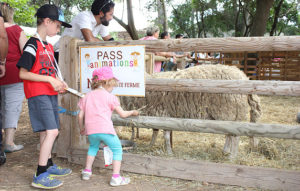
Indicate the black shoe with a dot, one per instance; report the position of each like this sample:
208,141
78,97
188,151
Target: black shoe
2,158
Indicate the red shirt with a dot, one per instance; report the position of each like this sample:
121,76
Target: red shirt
36,60
13,56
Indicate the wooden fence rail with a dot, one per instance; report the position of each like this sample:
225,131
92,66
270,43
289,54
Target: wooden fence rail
230,44
246,176
289,88
210,126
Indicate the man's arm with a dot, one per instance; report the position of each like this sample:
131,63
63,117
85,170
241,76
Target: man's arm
3,40
107,38
3,46
89,37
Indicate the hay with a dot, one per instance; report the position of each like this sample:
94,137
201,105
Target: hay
273,153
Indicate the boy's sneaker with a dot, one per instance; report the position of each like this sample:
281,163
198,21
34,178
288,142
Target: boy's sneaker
45,181
58,171
119,181
85,175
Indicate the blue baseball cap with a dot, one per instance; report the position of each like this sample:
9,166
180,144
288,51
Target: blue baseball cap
52,12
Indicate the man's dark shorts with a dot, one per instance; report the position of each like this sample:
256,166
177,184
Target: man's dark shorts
43,112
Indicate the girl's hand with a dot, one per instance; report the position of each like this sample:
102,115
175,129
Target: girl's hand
135,112
82,131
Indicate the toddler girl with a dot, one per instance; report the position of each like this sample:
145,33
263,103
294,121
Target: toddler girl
95,110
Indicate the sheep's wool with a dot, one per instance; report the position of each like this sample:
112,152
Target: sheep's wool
214,106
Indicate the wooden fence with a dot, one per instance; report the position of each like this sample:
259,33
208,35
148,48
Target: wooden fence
267,65
73,146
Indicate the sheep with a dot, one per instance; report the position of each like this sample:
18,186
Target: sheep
230,107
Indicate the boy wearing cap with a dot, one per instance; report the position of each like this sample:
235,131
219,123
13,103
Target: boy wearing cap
38,70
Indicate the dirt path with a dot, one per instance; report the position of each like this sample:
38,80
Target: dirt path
17,174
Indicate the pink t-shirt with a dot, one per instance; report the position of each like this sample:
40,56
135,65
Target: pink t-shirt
157,66
98,106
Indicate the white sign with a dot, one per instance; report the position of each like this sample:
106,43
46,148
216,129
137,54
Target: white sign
127,63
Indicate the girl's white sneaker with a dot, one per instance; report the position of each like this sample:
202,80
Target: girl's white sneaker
85,175
119,181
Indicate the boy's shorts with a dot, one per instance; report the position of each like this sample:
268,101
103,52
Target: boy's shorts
43,112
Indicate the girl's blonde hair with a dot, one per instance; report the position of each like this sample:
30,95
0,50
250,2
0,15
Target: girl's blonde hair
7,12
103,83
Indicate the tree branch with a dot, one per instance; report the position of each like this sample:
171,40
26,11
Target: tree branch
121,23
276,16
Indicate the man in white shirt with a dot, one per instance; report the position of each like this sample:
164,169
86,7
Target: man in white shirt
88,25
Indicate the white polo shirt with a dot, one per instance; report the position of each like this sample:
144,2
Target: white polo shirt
84,20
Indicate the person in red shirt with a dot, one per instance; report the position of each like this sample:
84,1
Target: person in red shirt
3,53
11,86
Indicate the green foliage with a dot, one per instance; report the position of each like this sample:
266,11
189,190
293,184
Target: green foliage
68,6
288,19
114,35
181,20
204,18
24,14
199,18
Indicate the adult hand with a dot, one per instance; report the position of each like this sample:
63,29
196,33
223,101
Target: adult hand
174,59
2,71
82,131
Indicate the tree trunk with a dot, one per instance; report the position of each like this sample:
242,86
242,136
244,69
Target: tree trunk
198,23
133,33
237,9
261,17
162,15
276,15
130,28
202,23
165,19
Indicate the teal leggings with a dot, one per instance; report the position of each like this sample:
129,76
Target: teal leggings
112,141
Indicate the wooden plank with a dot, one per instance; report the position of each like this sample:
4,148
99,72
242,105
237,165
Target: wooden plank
290,88
64,138
68,61
210,126
149,63
228,44
265,178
